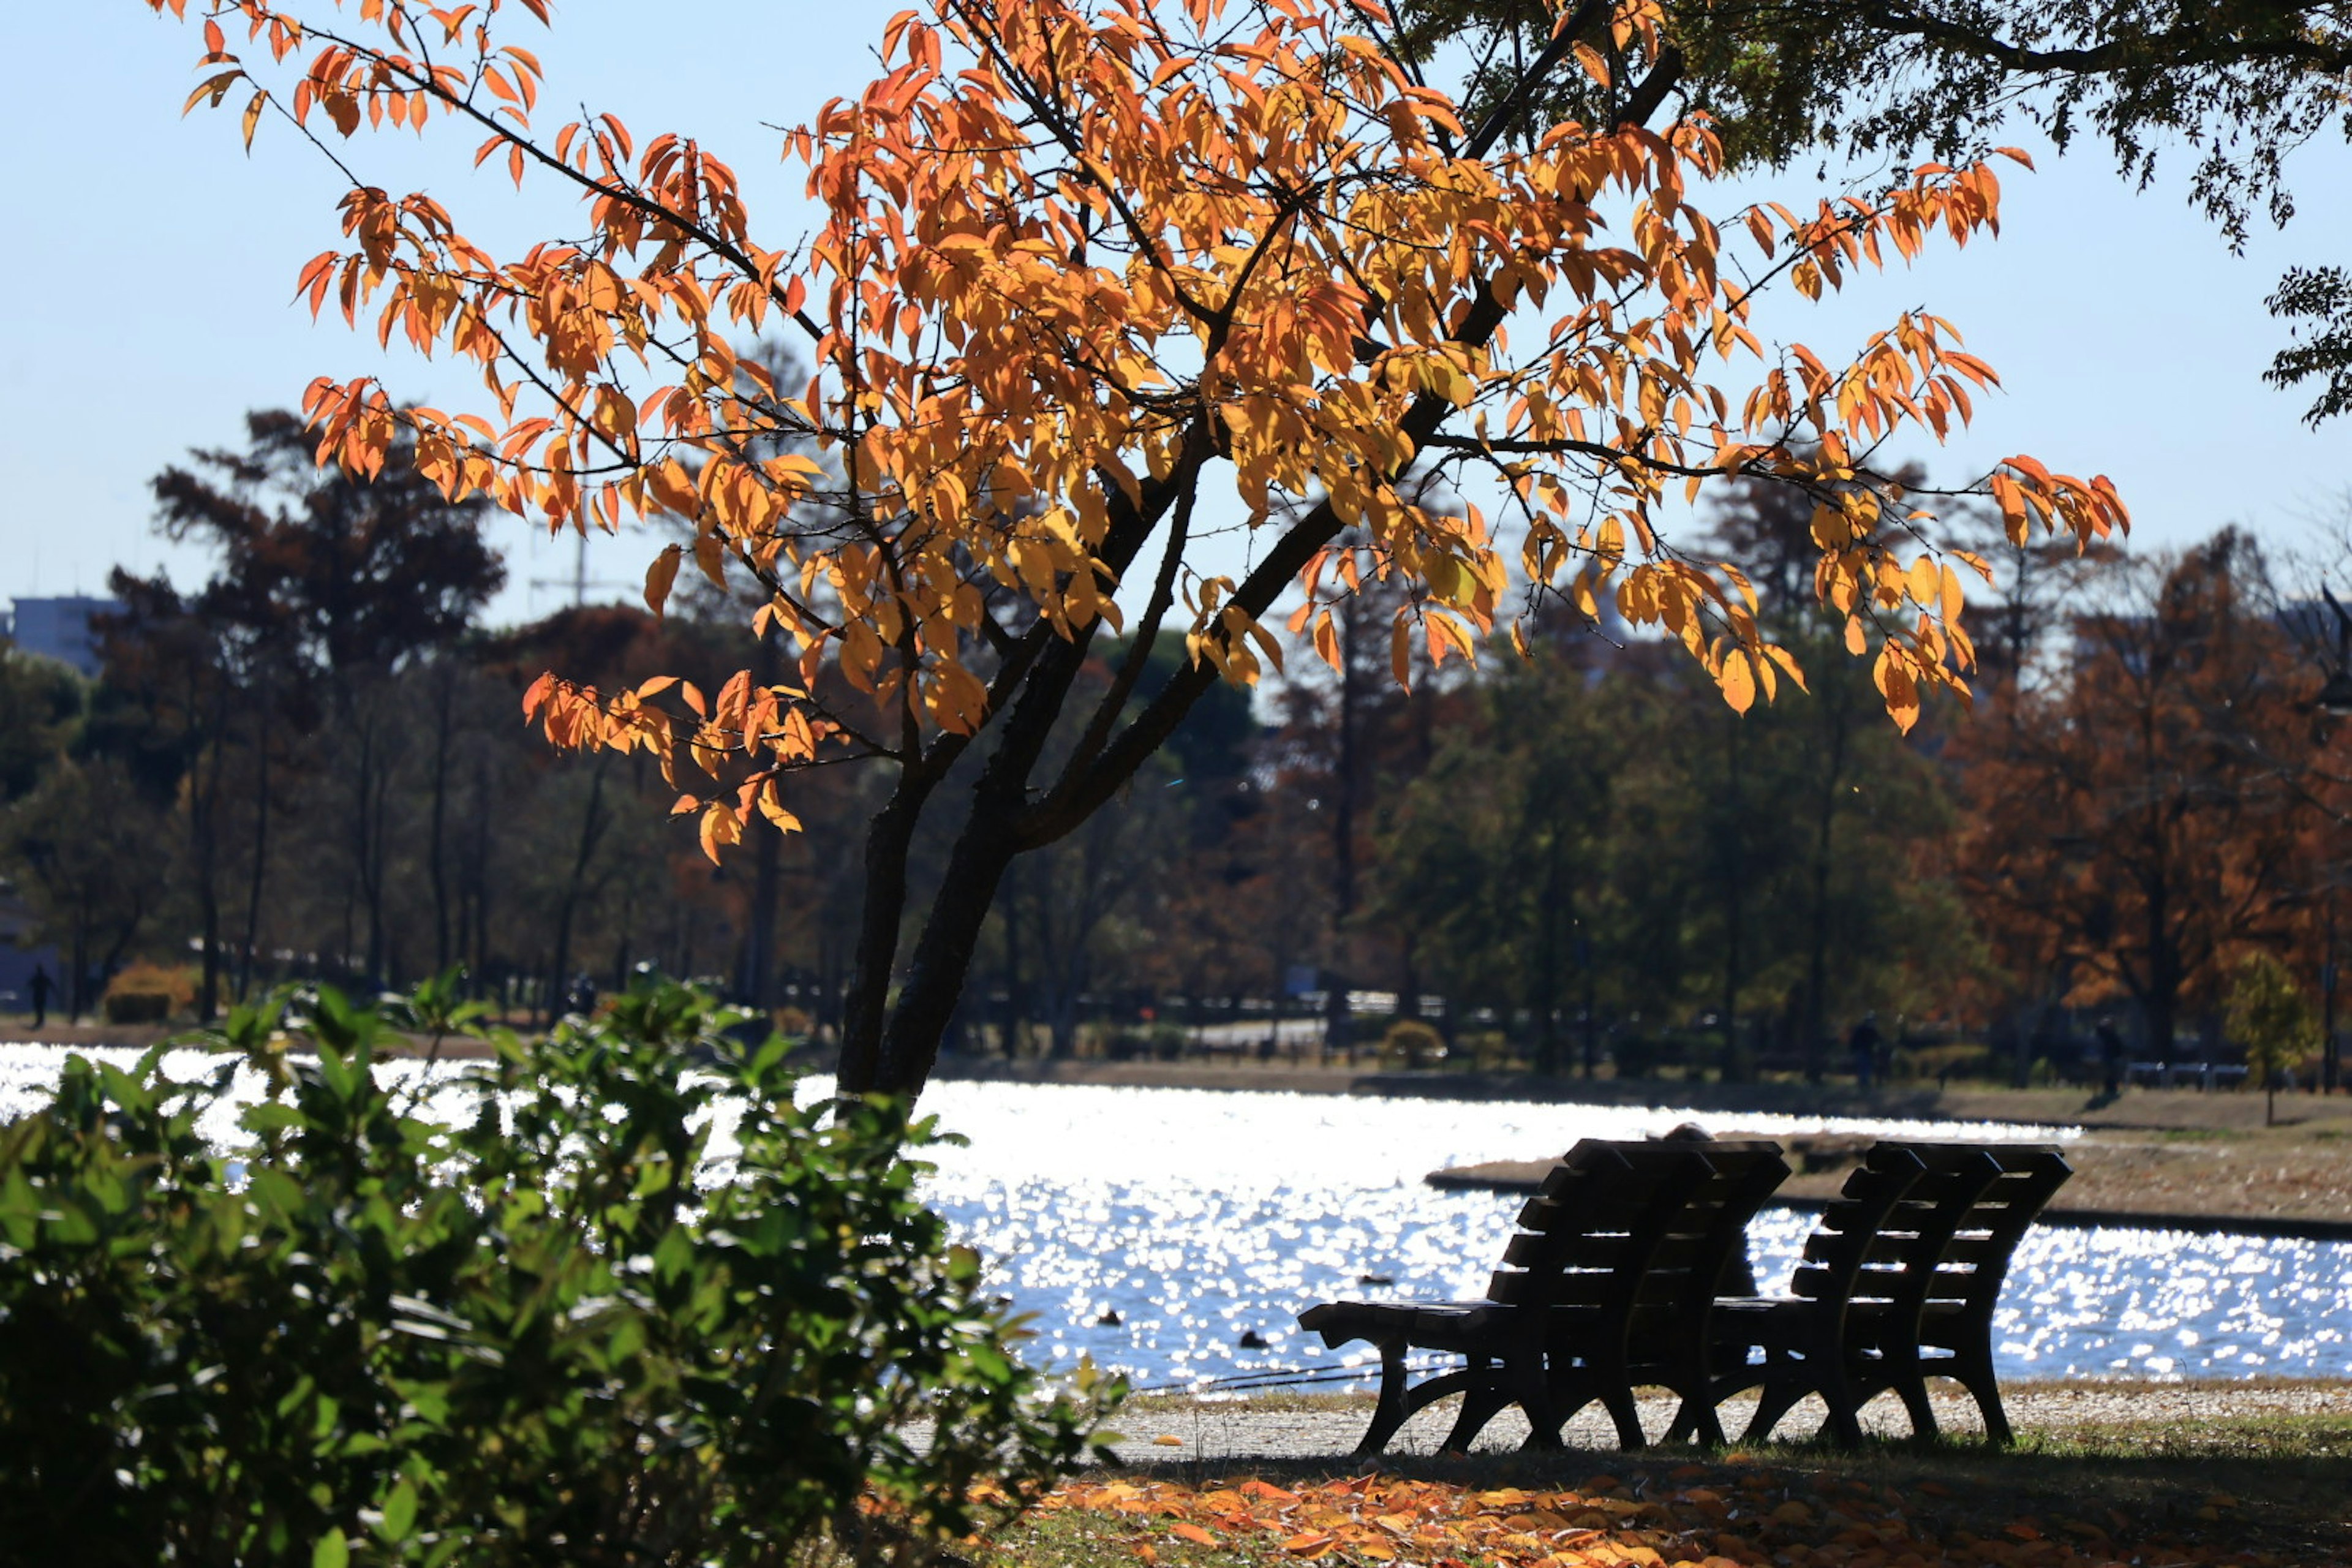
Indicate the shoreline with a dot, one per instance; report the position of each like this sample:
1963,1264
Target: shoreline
1482,1178
2135,1110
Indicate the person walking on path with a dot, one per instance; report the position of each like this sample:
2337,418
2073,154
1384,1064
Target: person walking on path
40,985
2111,1059
1862,1045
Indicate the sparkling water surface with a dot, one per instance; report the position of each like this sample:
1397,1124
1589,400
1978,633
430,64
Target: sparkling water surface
1198,1218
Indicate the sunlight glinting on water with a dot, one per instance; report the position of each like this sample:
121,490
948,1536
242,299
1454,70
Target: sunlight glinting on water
1204,1220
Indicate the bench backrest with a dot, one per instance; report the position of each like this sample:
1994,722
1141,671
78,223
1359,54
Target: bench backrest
1974,1256
1629,1226
1921,1223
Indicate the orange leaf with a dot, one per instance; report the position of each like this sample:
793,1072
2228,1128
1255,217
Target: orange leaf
660,576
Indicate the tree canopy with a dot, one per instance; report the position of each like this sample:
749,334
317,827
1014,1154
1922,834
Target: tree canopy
1089,277
2235,87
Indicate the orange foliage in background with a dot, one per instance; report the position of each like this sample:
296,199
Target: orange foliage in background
1093,278
1075,253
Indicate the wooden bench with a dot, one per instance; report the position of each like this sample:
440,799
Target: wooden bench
1897,1284
1608,1286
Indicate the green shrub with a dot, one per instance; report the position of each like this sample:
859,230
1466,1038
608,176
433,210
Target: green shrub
1412,1045
515,1331
2272,1020
145,992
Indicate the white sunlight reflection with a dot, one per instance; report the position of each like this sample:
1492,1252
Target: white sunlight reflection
1174,1234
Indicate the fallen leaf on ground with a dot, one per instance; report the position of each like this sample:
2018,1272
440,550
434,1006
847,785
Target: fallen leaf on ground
1760,1520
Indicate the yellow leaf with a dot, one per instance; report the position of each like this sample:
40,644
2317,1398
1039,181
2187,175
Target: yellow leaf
1924,583
1738,680
710,554
720,826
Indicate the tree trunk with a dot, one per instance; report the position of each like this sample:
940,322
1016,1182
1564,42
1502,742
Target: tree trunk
203,819
888,837
1016,984
1591,1006
377,801
435,859
1339,1027
591,829
1817,968
78,992
1552,922
248,958
1733,871
755,970
477,866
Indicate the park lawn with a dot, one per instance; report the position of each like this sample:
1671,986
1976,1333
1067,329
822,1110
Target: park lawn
2266,1491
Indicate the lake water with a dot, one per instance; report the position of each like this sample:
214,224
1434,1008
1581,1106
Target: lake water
1201,1218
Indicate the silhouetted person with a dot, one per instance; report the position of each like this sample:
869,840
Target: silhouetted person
1862,1045
2111,1057
41,985
1740,1269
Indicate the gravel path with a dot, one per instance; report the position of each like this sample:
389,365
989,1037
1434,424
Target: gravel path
1221,1432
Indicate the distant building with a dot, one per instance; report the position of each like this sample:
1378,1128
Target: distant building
59,628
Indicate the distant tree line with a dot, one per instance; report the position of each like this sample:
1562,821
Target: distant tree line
313,765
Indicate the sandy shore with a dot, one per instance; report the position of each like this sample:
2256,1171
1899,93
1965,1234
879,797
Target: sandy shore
1214,1431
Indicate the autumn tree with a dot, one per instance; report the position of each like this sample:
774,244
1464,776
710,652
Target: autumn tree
1089,278
2149,820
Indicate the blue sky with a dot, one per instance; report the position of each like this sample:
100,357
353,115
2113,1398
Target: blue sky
151,266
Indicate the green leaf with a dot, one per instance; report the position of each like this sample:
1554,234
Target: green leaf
271,1116
399,1512
331,1552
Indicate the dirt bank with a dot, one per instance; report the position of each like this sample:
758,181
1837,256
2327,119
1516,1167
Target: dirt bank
2289,1180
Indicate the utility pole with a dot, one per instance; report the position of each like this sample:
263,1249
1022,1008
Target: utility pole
580,581
2327,1047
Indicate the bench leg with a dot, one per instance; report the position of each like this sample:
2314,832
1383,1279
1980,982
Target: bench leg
1836,1389
1784,1381
1531,1388
1911,1386
1978,1378
1618,1400
1695,1420
1390,1412
1484,1400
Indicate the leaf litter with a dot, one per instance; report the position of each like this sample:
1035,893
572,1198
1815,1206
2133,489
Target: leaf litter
1696,1516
